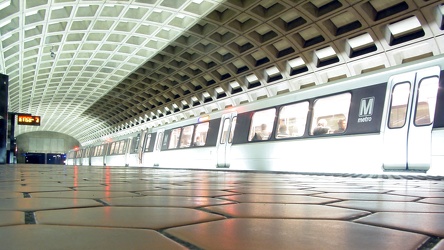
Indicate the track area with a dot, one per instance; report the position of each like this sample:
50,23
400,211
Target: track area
83,207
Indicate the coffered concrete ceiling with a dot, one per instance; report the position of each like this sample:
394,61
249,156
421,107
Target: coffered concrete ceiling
95,68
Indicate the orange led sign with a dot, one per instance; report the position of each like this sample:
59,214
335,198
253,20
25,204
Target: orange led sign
33,120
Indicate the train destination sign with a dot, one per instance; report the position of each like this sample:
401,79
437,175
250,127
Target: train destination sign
33,120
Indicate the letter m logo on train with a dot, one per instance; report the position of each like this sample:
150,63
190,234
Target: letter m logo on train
366,106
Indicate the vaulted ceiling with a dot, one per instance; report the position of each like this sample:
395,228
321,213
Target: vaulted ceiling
94,68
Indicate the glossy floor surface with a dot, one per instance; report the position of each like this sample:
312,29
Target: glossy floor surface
80,207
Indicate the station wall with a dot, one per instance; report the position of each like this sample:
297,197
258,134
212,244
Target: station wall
44,142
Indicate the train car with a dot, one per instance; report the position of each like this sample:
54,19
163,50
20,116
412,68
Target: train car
70,158
388,120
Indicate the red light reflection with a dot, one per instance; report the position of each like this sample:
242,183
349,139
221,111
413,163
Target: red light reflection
107,181
76,175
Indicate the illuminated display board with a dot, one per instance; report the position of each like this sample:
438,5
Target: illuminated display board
28,120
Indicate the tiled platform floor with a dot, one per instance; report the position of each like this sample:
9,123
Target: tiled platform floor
80,207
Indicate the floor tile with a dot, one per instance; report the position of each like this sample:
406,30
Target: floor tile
34,204
83,194
121,188
390,206
294,234
422,194
367,196
129,217
348,190
31,189
11,218
207,186
278,198
67,238
439,201
270,210
425,223
6,195
165,201
272,191
189,192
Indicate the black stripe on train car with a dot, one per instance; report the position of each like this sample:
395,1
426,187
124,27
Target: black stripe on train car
365,114
211,140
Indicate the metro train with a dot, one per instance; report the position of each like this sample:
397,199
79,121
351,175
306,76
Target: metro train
387,120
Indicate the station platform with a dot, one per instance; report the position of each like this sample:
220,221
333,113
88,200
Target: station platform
83,207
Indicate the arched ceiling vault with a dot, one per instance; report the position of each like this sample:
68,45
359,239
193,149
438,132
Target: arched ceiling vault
91,69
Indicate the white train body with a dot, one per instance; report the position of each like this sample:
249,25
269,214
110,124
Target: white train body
394,122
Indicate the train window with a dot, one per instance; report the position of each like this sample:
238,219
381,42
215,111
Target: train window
200,136
185,138
174,138
398,107
111,151
226,126
147,142
126,146
233,126
123,146
118,148
330,113
165,141
262,125
159,141
425,104
292,120
135,144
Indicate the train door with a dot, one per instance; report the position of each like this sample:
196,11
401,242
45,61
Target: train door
228,123
408,133
128,150
141,147
158,146
90,152
104,152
